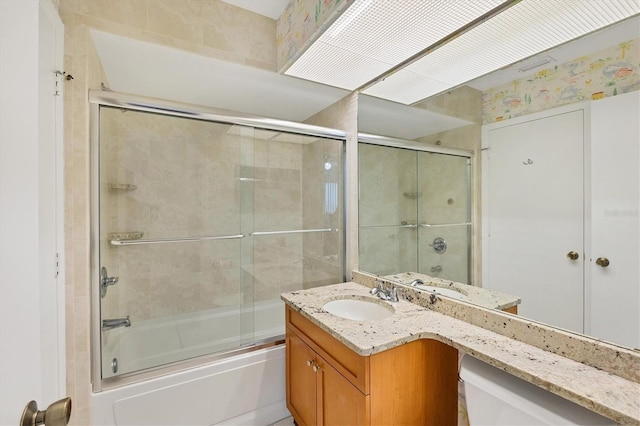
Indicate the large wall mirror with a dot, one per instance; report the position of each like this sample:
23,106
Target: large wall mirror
597,76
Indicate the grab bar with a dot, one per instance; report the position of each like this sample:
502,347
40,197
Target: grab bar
426,225
295,231
175,240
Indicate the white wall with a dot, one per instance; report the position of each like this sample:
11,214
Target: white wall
19,293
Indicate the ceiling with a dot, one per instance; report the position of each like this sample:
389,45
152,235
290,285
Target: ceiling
146,69
270,8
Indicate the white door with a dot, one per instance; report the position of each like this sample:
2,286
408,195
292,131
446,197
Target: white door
533,214
614,299
31,302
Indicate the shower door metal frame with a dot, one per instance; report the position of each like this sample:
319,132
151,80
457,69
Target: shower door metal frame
98,98
370,139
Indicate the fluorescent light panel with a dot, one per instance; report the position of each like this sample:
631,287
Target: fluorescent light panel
529,27
372,36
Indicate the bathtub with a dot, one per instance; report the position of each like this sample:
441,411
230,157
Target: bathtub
243,389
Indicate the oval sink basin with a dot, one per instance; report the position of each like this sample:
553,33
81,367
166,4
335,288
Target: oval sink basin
358,310
442,291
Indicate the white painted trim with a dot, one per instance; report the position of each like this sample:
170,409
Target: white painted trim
57,326
52,15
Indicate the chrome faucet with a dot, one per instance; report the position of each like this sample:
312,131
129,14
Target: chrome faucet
416,282
390,295
109,324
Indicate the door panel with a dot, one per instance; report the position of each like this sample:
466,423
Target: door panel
614,299
536,218
341,402
301,380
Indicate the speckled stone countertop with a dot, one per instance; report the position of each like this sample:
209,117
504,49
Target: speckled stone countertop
605,393
476,295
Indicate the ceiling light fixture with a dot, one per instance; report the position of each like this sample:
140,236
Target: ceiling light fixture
350,15
371,37
521,31
536,63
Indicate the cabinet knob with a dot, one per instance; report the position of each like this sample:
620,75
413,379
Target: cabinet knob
573,255
315,368
309,363
602,261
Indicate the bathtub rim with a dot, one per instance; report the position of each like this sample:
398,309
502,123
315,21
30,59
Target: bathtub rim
99,384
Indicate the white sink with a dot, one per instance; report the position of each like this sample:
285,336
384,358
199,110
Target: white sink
359,310
441,291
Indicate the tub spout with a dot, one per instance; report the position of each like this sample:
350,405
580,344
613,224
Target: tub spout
109,324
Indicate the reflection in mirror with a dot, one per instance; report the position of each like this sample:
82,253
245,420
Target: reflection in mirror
424,223
599,66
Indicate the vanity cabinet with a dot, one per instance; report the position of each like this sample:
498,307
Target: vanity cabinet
329,384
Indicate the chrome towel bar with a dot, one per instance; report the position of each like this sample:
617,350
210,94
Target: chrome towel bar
175,240
295,231
441,225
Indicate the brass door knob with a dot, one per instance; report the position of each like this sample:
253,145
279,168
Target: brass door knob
602,261
57,414
573,255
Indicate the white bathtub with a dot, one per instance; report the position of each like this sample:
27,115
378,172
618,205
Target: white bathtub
246,389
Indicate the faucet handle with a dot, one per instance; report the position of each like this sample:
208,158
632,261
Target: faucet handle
394,295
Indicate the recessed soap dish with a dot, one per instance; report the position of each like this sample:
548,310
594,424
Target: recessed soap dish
125,236
122,186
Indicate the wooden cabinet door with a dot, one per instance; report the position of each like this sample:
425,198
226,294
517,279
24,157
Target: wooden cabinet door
301,381
339,402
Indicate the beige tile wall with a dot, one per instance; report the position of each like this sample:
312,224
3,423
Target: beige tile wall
343,115
207,27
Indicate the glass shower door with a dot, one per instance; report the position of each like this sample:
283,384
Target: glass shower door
414,212
200,226
297,231
444,216
387,211
171,239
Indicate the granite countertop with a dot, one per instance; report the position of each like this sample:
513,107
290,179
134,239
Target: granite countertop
605,393
478,296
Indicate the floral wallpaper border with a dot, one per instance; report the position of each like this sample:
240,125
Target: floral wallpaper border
301,22
609,72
